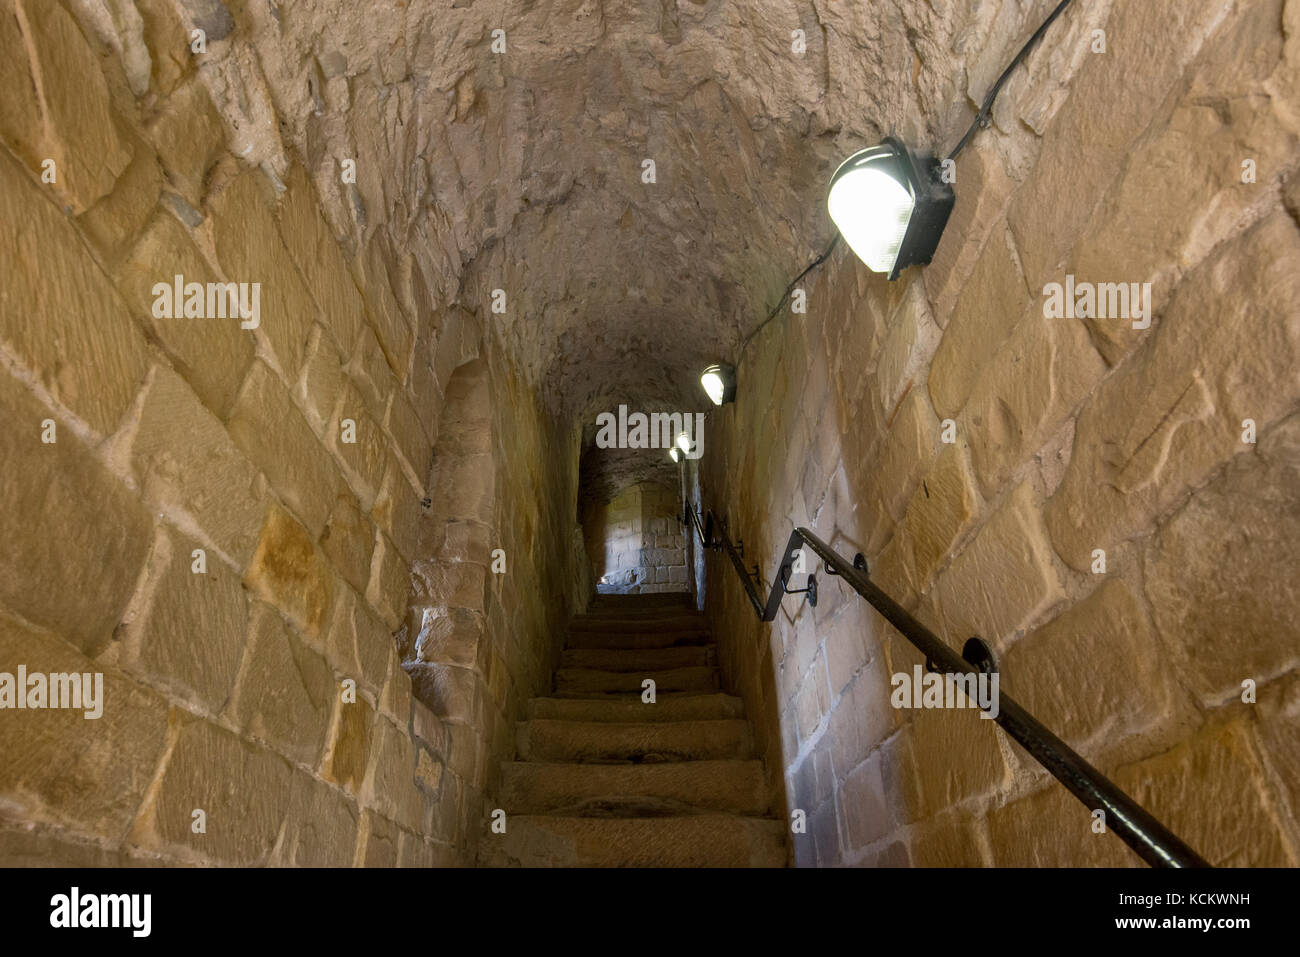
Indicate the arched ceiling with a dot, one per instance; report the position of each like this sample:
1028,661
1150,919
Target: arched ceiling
523,170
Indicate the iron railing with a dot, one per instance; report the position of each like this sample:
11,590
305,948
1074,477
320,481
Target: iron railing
1150,839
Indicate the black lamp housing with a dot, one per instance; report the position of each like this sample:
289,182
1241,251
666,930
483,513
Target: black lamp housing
932,198
726,374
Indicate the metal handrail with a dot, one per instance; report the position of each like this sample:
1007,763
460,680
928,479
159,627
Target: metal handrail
1150,839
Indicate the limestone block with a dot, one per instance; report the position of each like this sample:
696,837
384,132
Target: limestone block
183,458
276,437
462,488
398,509
348,540
1164,419
1212,571
940,510
863,805
188,135
118,217
1023,395
92,367
249,249
449,691
318,256
211,354
389,586
908,451
1002,579
1052,828
982,193
349,753
60,766
369,372
80,133
168,43
75,536
457,584
951,840
1095,675
20,111
1170,221
364,458
242,788
409,435
449,636
986,311
193,634
321,384
1157,39
287,571
381,837
957,757
359,644
286,691
1236,824
390,779
320,828
395,700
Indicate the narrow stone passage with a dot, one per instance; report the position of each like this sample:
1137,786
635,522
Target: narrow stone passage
604,777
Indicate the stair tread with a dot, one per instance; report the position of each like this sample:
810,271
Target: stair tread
594,680
633,789
638,659
595,741
618,708
698,840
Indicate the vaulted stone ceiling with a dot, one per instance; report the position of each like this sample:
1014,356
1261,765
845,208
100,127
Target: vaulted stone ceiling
522,170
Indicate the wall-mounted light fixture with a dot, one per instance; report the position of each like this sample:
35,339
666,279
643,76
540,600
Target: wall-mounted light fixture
683,442
890,205
675,454
719,382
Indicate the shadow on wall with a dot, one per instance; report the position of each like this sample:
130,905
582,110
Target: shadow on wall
635,542
445,623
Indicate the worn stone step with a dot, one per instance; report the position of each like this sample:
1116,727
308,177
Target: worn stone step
640,623
606,602
699,840
638,659
573,681
696,707
662,638
650,741
633,789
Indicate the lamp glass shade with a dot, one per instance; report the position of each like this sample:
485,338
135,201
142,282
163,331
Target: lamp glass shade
871,207
683,441
675,454
713,386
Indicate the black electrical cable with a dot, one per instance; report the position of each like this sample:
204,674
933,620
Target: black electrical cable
786,295
981,120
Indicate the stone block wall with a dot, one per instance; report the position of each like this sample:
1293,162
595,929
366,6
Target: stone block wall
223,521
1114,509
635,541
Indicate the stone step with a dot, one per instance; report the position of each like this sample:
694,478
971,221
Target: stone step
589,681
638,659
650,741
699,840
628,790
639,623
606,602
698,707
662,638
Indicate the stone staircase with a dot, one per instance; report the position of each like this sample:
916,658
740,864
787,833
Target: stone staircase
603,779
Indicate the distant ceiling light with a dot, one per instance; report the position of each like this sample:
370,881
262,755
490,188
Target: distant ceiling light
890,205
683,441
675,454
719,382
